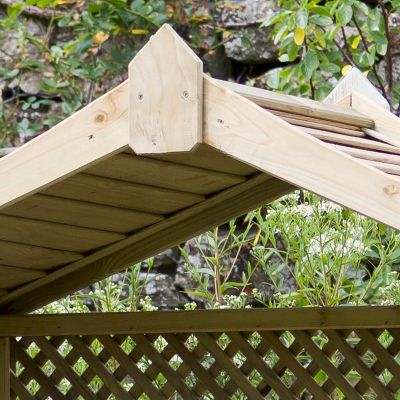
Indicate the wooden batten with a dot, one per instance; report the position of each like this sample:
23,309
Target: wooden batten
165,94
5,368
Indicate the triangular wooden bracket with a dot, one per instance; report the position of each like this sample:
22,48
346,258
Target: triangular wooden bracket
356,82
165,95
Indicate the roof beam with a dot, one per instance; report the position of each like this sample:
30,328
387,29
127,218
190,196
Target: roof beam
255,136
165,94
96,132
356,82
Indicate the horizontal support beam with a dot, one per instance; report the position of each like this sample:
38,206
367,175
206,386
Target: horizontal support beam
351,317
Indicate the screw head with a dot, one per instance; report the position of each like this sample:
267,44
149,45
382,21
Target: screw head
185,94
140,96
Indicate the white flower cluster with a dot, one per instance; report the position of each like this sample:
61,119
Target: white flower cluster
232,301
147,304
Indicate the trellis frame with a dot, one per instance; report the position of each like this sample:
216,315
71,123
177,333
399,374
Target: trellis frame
234,147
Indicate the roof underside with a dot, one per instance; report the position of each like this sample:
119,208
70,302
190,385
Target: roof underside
117,208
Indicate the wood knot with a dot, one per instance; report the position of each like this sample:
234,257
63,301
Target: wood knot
101,117
391,190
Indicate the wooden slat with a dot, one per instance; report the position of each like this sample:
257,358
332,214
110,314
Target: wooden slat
123,359
21,255
196,367
351,141
118,193
310,318
228,366
100,370
15,276
96,132
293,364
326,365
52,235
353,130
149,241
80,213
19,389
35,371
298,105
3,292
370,155
5,389
163,366
63,367
322,125
164,174
204,156
387,168
359,365
266,372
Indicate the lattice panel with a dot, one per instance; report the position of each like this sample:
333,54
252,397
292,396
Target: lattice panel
289,365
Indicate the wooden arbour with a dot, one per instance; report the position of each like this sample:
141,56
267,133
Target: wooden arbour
167,155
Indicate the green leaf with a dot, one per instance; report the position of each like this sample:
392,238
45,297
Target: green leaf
321,20
310,63
302,18
330,67
273,78
344,14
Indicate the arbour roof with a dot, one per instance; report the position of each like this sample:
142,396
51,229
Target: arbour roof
169,154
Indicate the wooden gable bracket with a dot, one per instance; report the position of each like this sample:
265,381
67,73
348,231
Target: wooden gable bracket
357,92
165,95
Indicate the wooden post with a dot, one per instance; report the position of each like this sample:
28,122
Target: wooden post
165,95
5,368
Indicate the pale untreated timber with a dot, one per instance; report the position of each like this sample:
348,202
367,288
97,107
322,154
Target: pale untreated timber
147,242
165,95
93,133
5,389
204,156
80,213
53,235
25,256
387,125
303,318
356,82
163,174
251,134
297,105
15,276
370,155
117,193
305,118
351,141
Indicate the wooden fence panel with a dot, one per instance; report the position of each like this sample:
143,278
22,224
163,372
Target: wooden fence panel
320,363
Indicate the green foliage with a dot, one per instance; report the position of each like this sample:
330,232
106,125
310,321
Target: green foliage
319,38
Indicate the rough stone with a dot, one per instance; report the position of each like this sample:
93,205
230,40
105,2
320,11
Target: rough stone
244,40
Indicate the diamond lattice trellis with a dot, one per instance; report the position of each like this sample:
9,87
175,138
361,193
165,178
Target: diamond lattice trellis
289,364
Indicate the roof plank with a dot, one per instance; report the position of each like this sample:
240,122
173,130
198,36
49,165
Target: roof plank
11,277
34,257
80,213
122,194
54,235
163,174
